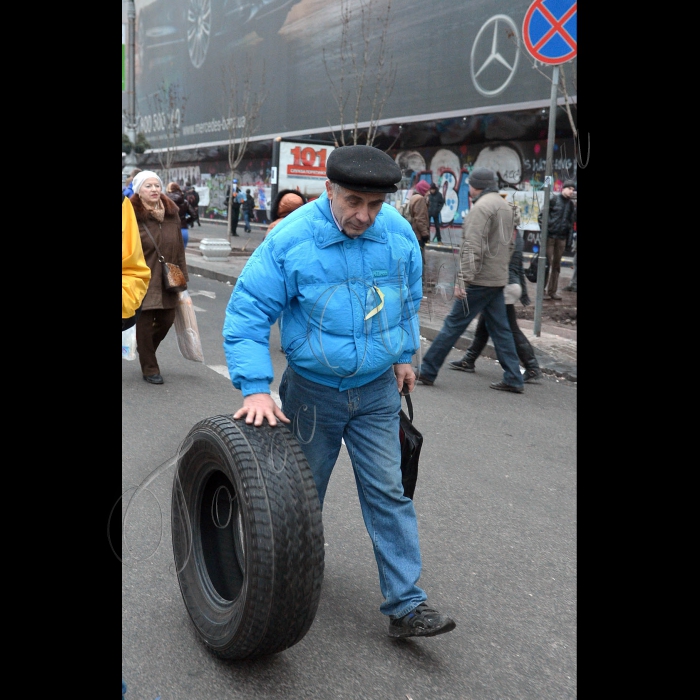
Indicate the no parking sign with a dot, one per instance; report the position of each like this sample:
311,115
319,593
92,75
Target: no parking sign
549,30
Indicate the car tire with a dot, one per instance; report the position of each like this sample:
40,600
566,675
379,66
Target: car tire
247,537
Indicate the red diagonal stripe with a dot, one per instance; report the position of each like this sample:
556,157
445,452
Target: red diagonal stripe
557,26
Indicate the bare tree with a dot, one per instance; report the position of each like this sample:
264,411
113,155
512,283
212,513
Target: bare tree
242,105
167,107
361,74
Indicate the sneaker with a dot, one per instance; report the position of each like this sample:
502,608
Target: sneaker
422,380
502,386
555,296
464,365
421,622
532,376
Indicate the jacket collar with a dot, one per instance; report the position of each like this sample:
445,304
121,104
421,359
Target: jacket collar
488,190
331,234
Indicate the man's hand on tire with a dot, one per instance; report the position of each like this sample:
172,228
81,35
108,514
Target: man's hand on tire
257,407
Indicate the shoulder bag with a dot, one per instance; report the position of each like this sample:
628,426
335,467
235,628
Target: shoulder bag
173,276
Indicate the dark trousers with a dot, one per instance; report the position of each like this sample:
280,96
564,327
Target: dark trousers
435,218
490,302
526,353
153,325
555,250
234,220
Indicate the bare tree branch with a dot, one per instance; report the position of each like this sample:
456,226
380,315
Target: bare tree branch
361,72
167,105
242,104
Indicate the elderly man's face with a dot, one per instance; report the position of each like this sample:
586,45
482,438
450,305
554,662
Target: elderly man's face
355,211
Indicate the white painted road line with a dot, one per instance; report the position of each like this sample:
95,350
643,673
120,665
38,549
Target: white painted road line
223,370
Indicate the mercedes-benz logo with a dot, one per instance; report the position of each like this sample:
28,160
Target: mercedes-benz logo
495,59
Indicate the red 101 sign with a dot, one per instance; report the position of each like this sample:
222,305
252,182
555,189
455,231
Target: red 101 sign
302,165
307,161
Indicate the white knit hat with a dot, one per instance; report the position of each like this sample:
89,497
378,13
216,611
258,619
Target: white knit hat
143,176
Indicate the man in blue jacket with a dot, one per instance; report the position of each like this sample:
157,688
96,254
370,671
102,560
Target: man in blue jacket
344,272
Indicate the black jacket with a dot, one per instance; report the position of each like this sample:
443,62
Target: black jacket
435,203
249,203
562,214
184,210
516,273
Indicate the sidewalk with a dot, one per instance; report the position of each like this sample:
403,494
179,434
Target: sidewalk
556,347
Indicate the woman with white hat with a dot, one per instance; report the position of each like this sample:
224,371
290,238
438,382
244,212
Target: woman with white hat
159,220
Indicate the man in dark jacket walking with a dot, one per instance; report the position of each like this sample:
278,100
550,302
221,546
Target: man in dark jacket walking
435,204
248,208
562,215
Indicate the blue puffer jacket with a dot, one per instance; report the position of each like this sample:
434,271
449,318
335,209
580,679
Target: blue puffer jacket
349,306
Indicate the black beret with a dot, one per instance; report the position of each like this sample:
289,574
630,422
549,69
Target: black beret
363,169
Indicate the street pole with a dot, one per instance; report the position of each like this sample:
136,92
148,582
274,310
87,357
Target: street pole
542,253
131,82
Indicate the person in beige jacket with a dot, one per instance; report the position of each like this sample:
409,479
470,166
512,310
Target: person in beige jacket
487,246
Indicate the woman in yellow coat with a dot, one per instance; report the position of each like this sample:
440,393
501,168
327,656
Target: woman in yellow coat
135,273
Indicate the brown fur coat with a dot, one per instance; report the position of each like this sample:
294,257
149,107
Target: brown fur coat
168,236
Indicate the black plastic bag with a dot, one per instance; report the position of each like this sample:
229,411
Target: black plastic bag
411,443
531,270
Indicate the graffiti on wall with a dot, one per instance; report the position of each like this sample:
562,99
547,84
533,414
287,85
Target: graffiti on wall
520,167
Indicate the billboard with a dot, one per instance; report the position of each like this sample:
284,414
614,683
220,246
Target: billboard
299,165
294,50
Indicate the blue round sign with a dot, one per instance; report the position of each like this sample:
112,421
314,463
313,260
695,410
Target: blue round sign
549,30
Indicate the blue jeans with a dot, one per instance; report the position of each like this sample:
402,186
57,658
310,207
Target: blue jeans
490,302
246,220
185,235
367,418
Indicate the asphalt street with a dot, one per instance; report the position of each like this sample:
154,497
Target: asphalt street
496,505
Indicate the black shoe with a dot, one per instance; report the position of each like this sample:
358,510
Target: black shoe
153,378
464,365
502,386
532,376
234,234
422,380
421,622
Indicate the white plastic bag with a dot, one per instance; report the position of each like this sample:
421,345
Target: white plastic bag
129,344
188,341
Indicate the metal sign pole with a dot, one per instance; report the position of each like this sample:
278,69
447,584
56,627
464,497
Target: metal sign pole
542,254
